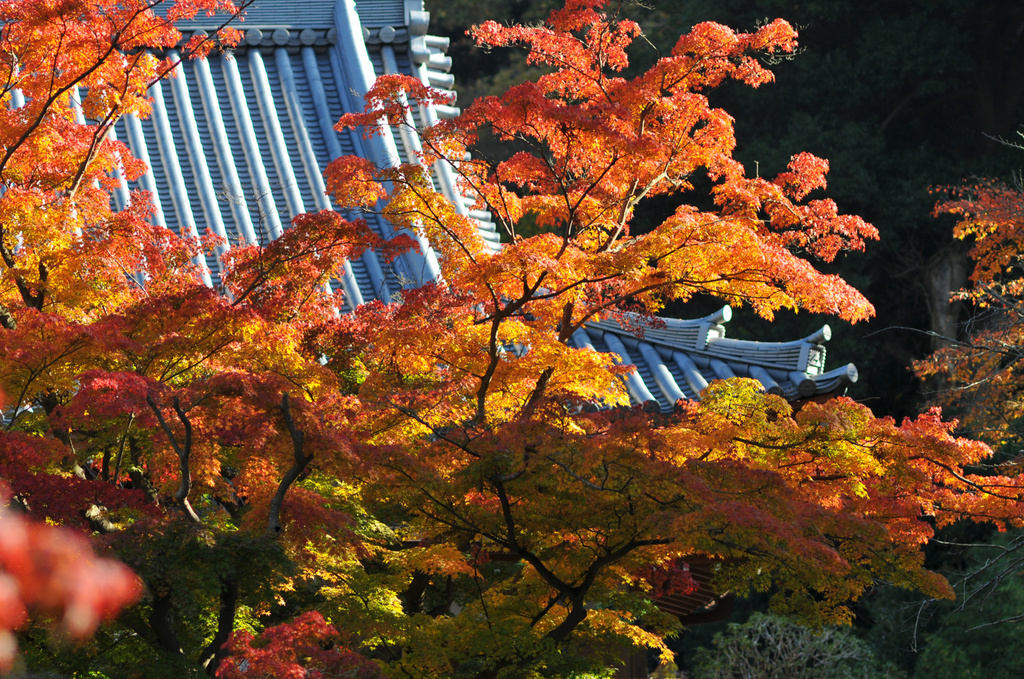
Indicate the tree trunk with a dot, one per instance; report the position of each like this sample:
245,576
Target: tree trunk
161,621
215,653
945,273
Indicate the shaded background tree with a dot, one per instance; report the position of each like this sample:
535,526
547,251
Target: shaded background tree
770,647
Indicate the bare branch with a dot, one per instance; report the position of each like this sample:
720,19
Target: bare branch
182,449
298,466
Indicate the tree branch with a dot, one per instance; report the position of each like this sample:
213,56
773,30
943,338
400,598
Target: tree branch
301,460
183,452
7,318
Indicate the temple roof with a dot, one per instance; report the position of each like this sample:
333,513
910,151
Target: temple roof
238,143
676,359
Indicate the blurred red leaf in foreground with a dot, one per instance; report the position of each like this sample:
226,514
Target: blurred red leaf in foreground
53,572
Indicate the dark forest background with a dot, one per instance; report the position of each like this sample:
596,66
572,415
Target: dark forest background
903,97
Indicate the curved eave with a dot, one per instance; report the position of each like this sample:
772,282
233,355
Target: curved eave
677,359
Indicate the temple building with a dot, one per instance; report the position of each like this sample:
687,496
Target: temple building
237,144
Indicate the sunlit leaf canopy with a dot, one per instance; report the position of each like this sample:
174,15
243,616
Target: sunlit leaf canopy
441,483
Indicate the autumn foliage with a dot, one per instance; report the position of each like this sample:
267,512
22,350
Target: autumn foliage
53,573
427,487
305,646
979,375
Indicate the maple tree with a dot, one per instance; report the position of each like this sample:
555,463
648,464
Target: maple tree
424,487
980,373
977,376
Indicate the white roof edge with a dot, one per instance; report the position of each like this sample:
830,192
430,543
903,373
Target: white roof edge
359,76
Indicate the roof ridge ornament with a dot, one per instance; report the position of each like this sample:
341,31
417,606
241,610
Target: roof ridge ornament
419,20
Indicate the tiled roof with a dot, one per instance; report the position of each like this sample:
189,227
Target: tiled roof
676,359
238,144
